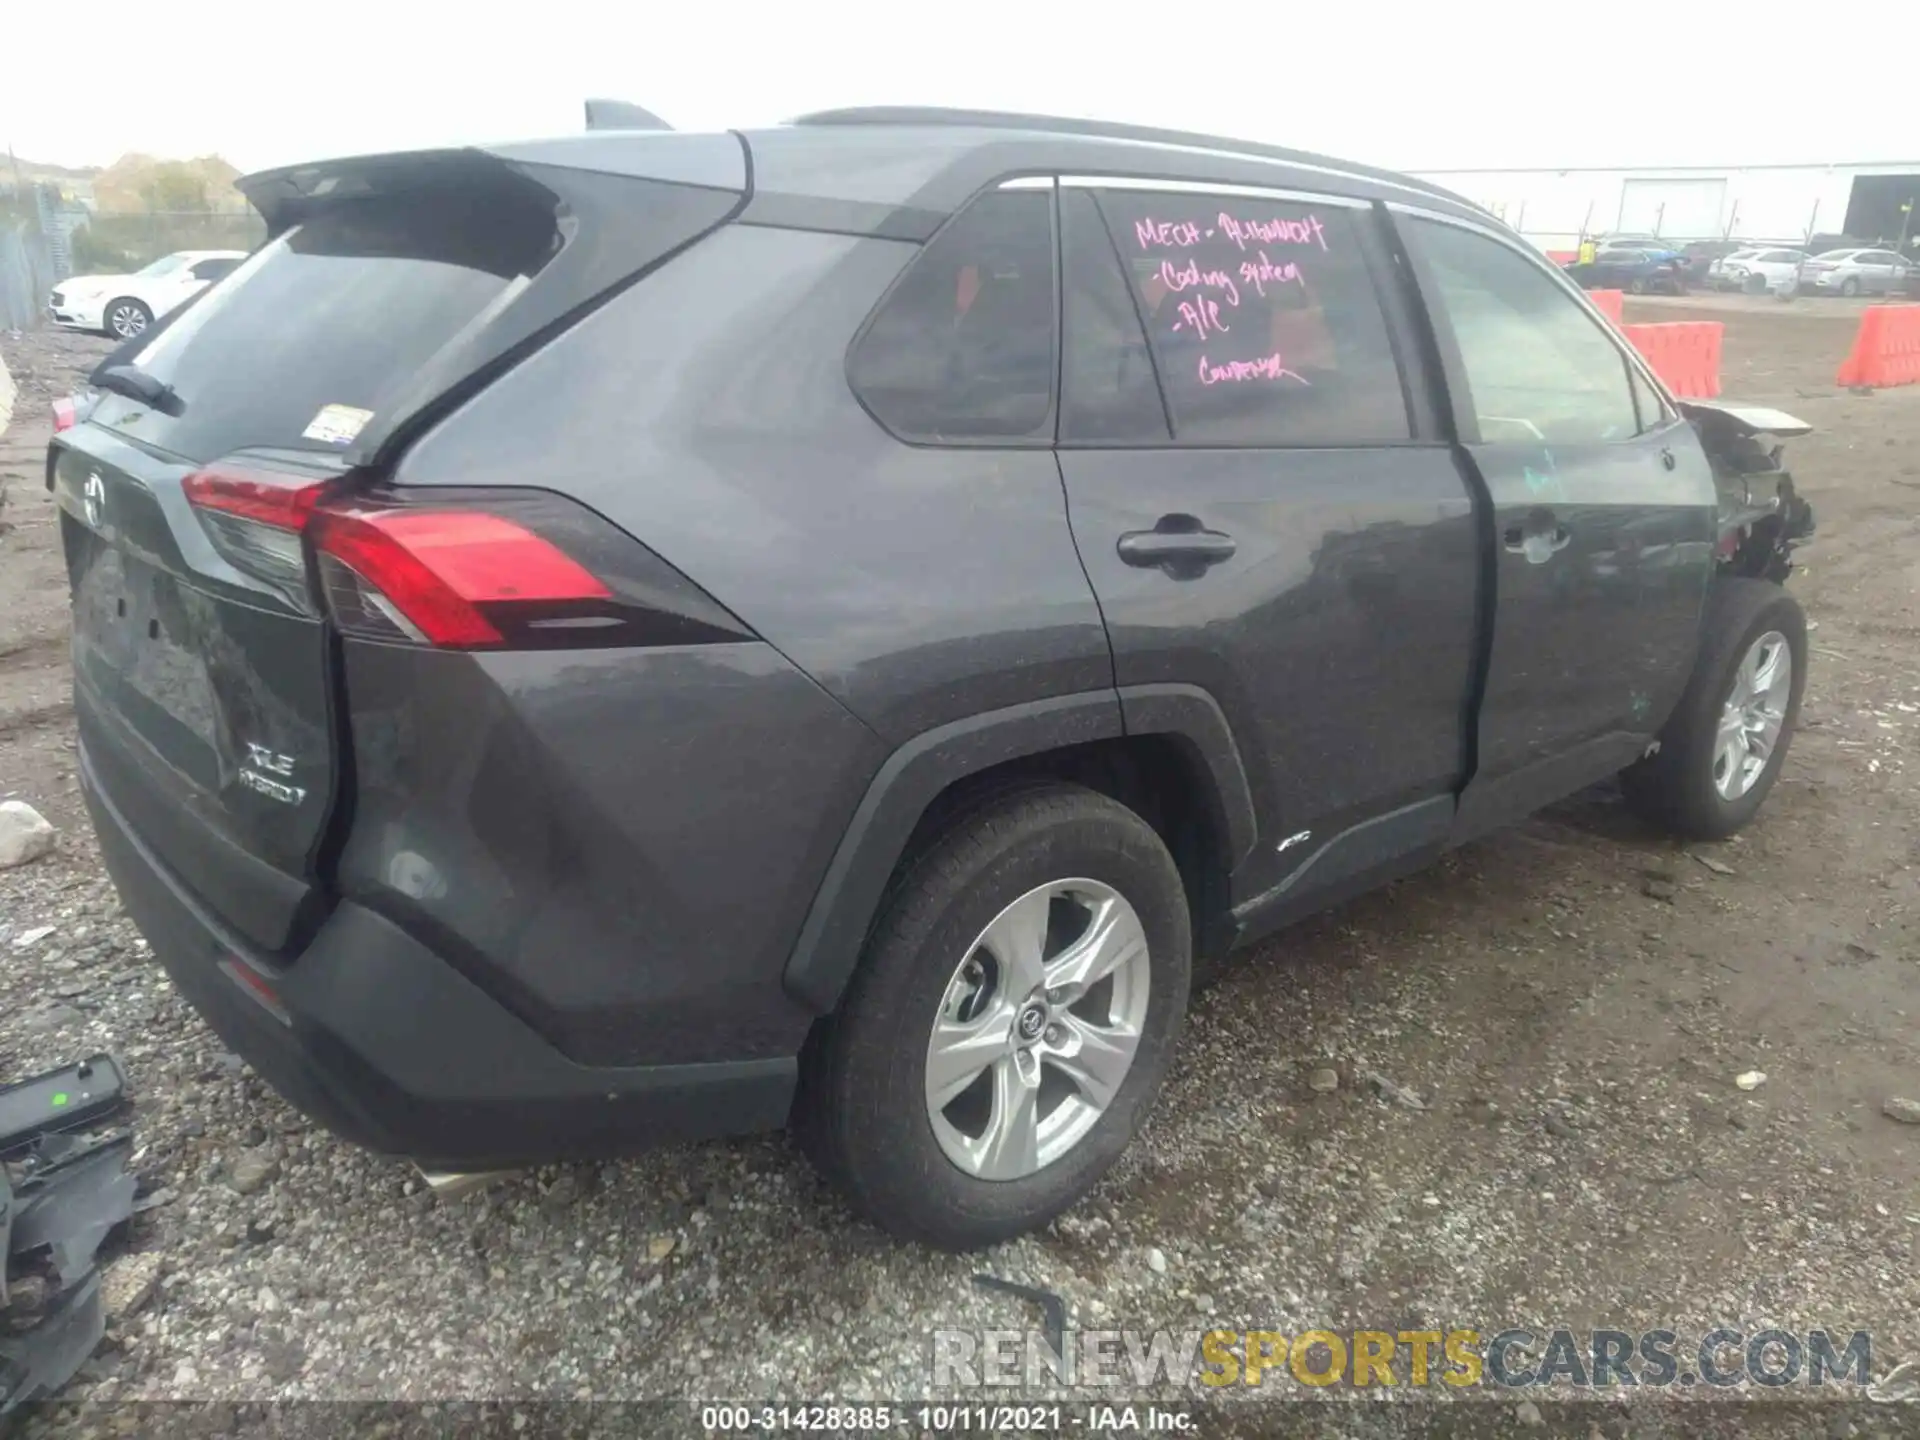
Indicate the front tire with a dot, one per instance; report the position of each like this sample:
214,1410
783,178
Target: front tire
1722,748
1850,287
125,318
1010,1024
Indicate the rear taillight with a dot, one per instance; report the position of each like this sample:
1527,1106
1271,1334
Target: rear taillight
443,577
255,519
473,570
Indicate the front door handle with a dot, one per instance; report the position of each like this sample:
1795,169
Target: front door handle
1177,544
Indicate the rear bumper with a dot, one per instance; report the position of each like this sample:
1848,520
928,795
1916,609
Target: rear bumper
389,1046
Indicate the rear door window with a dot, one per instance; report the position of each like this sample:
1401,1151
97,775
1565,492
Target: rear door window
961,349
333,319
1262,316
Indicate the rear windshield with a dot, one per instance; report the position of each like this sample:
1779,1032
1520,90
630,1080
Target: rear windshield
303,344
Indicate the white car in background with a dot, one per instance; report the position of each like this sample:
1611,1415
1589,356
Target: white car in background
125,305
1853,272
1757,269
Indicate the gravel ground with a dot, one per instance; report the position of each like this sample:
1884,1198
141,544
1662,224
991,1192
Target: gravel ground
1560,1013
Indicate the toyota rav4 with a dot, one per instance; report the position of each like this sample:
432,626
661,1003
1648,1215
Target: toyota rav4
646,635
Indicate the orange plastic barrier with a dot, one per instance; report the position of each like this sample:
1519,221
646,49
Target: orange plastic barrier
1886,349
1610,303
1685,355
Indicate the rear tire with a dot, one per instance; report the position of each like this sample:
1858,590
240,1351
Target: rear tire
1850,287
125,318
1699,783
932,966
1636,286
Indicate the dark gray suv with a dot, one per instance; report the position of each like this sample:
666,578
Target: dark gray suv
648,635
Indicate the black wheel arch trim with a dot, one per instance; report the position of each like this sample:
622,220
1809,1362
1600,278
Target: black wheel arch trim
835,930
1191,717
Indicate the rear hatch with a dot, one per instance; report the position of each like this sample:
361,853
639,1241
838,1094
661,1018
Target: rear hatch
205,661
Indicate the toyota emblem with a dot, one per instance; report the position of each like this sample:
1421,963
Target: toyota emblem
95,497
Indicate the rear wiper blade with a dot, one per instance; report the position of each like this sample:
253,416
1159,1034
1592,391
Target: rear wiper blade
134,383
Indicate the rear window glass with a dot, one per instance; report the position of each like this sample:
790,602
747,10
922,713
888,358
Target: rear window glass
332,320
1263,319
962,346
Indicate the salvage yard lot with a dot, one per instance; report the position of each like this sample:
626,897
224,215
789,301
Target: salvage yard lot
1560,1013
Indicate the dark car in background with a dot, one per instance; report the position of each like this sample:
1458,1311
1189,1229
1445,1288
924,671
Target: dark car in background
1701,256
1638,272
591,642
1634,240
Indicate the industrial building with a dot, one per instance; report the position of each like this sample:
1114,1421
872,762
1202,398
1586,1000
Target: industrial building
1866,203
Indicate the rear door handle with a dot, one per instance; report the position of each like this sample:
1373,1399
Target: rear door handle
1177,544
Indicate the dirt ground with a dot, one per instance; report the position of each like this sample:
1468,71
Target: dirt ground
1571,1001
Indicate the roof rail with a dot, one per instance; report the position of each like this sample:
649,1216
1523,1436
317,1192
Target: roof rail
1104,130
619,115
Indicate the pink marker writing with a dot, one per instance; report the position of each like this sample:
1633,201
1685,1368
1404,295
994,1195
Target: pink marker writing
1201,315
1263,272
1234,372
1187,276
1274,232
1165,232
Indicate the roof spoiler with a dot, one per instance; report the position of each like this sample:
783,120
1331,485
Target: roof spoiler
619,115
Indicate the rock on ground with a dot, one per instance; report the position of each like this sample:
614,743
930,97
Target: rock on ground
25,834
129,1284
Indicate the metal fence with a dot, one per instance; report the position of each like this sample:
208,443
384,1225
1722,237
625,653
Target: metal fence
44,238
26,273
109,243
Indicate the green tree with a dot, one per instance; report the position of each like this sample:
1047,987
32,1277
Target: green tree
175,187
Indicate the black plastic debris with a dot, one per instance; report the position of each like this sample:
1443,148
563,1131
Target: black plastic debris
64,1186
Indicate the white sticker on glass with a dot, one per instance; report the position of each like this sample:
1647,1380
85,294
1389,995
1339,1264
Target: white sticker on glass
337,424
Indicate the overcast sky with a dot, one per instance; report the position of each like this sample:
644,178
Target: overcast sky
1454,84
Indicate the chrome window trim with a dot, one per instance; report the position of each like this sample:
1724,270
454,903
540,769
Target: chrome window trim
1213,152
1210,187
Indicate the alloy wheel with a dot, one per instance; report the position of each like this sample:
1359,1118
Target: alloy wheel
127,321
1037,1029
1753,716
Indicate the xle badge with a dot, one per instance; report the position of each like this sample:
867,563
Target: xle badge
261,768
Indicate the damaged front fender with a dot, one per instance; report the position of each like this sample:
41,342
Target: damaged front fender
1762,515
